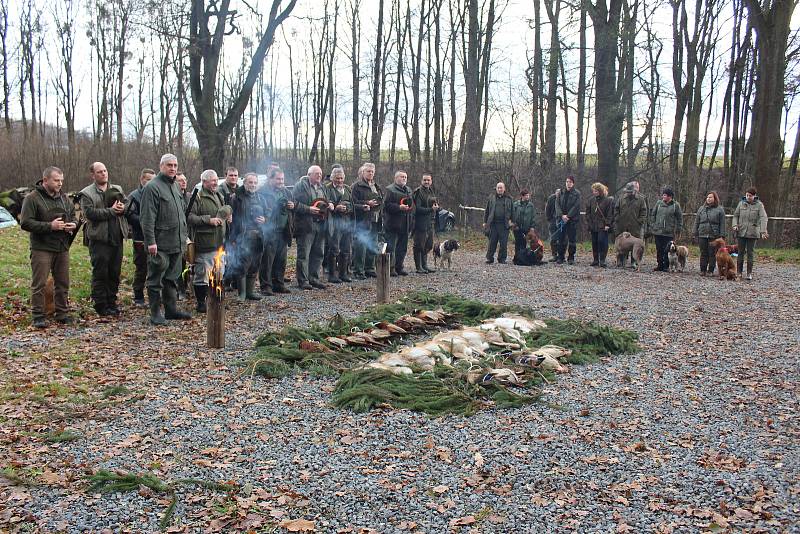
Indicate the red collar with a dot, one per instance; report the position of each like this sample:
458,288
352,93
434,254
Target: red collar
724,249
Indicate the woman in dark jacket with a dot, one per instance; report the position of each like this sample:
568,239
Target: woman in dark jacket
709,224
600,219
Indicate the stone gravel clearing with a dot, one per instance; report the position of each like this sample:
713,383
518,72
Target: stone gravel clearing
698,431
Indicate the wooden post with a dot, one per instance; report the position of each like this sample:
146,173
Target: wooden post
382,262
215,319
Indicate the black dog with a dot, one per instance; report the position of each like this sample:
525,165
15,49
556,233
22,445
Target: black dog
443,252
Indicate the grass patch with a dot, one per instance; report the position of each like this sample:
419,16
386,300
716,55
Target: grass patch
115,391
61,436
15,277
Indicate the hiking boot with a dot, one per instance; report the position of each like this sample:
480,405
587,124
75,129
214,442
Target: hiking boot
306,286
392,272
138,298
402,272
371,274
40,322
281,289
317,284
65,319
595,263
359,276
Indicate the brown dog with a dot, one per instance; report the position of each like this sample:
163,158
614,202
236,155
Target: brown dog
624,245
725,264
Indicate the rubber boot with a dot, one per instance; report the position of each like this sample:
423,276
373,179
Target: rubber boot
418,263
250,289
200,294
154,298
332,278
171,311
241,284
344,268
138,298
424,258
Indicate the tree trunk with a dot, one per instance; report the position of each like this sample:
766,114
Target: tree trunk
549,156
608,113
377,96
355,69
581,96
764,146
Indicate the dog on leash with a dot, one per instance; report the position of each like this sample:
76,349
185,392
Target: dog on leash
677,257
725,264
624,244
443,252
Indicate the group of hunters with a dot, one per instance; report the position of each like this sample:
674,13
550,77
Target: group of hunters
335,226
606,217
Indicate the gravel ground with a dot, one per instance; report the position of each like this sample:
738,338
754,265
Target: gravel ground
699,430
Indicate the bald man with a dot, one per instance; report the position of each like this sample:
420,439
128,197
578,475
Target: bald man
311,207
103,206
497,220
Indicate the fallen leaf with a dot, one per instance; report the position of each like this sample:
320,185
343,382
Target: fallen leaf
462,521
438,490
298,525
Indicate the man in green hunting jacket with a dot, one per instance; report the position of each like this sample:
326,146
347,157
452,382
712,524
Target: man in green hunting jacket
398,209
207,221
48,215
523,219
164,228
340,228
425,208
497,222
278,233
311,207
103,206
367,203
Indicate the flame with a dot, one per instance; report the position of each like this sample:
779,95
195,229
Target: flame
216,272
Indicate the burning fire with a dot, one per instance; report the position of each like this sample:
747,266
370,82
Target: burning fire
216,273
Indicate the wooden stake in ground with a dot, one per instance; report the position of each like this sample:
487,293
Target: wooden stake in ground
382,270
215,304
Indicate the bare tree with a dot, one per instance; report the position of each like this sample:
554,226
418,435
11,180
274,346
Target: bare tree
354,20
4,57
205,48
533,75
771,20
609,115
64,17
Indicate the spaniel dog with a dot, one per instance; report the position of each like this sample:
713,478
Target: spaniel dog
725,264
677,257
443,252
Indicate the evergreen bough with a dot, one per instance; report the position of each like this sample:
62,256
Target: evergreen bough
444,390
106,481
